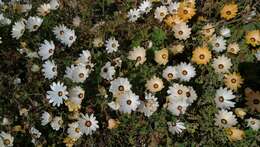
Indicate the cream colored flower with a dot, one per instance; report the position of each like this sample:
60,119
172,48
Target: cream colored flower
161,56
138,55
155,84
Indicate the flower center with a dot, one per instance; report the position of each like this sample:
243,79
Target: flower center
50,51
207,30
170,75
105,70
223,121
252,39
220,66
202,56
129,102
229,132
35,27
185,11
232,49
77,130
113,45
61,32
121,88
233,80
88,123
217,44
188,94
81,75
256,101
164,56
179,91
60,93
155,85
184,72
7,141
161,14
81,95
60,122
54,69
179,108
252,122
138,58
71,38
228,12
180,32
221,99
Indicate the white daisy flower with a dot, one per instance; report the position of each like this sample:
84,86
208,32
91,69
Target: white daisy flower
54,4
185,71
108,71
69,37
46,49
160,13
114,105
176,127
33,23
78,73
128,102
59,31
45,118
181,31
74,131
191,95
26,8
7,139
233,48
154,84
138,55
145,7
111,45
257,55
225,32
173,7
4,20
35,132
221,64
253,123
119,86
133,15
56,123
149,106
225,119
44,9
170,73
49,69
88,124
218,43
18,29
223,98
57,94
178,91
76,95
166,2
177,106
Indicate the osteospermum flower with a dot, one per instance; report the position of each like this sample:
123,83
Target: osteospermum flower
54,4
46,49
182,31
252,99
43,9
170,73
35,134
201,55
176,49
119,86
138,55
235,134
225,119
149,105
233,48
49,69
225,32
59,31
74,131
133,15
45,118
222,64
128,102
160,13
253,37
172,20
177,91
145,7
69,37
88,124
57,94
33,23
253,123
161,56
85,57
208,30
76,95
77,73
186,12
177,106
191,95
18,29
176,127
233,80
98,42
155,84
218,43
185,71
223,98
7,139
229,11
108,71
56,123
111,45
173,7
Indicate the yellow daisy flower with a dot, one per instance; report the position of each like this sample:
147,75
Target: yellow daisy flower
233,80
172,20
161,56
72,106
185,12
253,37
235,134
201,55
229,11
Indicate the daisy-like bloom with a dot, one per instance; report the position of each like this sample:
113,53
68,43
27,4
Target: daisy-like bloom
85,57
133,15
149,106
201,55
154,85
218,43
145,7
191,95
45,118
173,7
208,30
176,49
98,42
223,98
186,12
222,64
59,31
111,45
177,106
25,8
69,37
160,13
172,20
56,123
74,131
225,32
233,48
54,4
235,134
177,91
49,69
233,81
185,71
46,49
240,112
128,102
138,55
33,23
181,31
253,123
170,73
225,119
44,9
76,95
57,94
112,123
161,56
77,73
35,133
253,99
76,21
165,2
176,127
257,55
4,20
253,37
7,139
229,11
88,124
108,71
119,86
18,29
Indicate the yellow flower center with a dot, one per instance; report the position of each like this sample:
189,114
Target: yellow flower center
7,141
113,45
252,122
161,14
77,130
164,56
185,11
